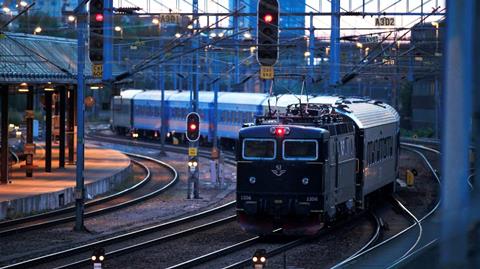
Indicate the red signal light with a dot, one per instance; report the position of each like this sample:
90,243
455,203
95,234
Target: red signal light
279,131
193,127
268,18
99,17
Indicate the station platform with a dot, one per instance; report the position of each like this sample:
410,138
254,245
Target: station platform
104,169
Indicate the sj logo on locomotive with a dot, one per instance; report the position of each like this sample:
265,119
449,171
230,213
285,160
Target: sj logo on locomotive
278,171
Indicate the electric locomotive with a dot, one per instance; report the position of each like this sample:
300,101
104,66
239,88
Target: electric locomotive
302,169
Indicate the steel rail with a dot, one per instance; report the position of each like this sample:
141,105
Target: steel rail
409,147
292,244
123,237
230,159
8,223
221,252
106,209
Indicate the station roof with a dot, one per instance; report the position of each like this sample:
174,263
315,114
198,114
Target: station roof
40,59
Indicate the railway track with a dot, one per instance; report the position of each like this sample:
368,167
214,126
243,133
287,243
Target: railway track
391,251
147,188
203,152
133,241
216,258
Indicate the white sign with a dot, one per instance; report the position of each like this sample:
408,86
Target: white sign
385,21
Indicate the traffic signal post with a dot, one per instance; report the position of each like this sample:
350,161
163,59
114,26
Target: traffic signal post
268,18
193,134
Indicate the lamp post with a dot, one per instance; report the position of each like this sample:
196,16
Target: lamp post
37,30
119,29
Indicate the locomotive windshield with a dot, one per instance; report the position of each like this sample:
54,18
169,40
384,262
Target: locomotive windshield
305,150
259,149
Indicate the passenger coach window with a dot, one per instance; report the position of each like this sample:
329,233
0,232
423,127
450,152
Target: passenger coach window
305,150
259,149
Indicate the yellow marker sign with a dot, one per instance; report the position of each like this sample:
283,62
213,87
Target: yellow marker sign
97,70
410,178
266,72
192,152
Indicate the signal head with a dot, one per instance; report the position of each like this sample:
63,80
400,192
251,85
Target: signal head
267,32
193,127
99,17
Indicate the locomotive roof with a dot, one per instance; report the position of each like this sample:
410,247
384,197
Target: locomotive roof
203,96
369,114
323,99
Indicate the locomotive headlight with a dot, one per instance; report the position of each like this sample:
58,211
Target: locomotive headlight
254,259
305,180
190,164
94,258
252,180
101,258
195,164
262,259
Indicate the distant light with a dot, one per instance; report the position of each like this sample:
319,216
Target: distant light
221,34
307,54
23,3
71,18
193,127
213,35
268,18
118,29
436,24
359,45
178,35
190,26
37,30
99,17
23,87
156,21
252,49
49,89
94,87
247,35
6,9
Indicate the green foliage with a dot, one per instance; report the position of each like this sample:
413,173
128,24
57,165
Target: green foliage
405,104
420,133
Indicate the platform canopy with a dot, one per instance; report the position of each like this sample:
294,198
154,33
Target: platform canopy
39,59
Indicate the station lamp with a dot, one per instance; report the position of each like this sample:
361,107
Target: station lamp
23,87
71,18
267,32
156,21
96,31
193,126
37,30
49,87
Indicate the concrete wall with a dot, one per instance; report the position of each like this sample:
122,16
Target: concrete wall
54,200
